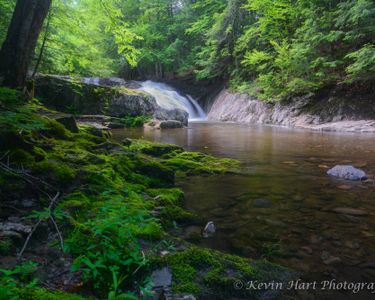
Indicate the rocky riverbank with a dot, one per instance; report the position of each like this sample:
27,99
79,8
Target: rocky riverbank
81,213
325,111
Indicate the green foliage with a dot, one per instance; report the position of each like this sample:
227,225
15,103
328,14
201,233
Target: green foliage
6,9
363,63
133,122
16,279
88,38
108,248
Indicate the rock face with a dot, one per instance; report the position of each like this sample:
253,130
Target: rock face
324,112
347,172
122,104
101,96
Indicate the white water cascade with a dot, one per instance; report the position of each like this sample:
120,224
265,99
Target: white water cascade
168,98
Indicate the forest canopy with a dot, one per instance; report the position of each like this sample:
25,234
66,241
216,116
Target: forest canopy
267,48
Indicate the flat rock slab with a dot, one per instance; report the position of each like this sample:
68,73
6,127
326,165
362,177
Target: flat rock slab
347,172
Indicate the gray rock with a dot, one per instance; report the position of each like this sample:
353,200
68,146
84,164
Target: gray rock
170,124
161,278
347,172
122,104
11,234
189,297
172,114
17,227
27,203
209,229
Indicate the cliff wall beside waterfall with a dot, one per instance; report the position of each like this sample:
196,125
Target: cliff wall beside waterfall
328,111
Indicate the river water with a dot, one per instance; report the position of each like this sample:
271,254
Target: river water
281,205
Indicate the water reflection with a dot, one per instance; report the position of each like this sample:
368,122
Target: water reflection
282,206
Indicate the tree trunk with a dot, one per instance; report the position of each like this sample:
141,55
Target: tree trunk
19,45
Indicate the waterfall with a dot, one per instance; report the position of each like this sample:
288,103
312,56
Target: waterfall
168,98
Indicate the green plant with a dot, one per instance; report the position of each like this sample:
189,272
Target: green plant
20,277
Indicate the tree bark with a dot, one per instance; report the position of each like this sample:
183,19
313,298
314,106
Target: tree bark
19,45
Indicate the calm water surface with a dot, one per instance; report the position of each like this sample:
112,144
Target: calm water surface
281,205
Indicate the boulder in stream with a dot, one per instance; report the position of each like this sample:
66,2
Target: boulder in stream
347,172
169,124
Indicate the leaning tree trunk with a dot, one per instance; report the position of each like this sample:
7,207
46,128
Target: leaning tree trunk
19,45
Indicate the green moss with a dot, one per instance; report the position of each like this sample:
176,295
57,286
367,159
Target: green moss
43,294
171,196
55,129
205,272
54,171
194,163
132,121
124,90
176,213
157,174
154,149
20,156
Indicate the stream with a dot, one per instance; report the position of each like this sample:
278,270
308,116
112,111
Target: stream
282,204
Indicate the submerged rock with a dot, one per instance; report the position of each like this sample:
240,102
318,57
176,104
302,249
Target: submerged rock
209,229
347,172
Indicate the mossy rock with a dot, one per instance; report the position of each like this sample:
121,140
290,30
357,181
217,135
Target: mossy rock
195,163
154,149
20,156
55,129
160,175
209,274
59,174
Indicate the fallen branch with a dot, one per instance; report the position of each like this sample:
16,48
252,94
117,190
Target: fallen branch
53,200
58,232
